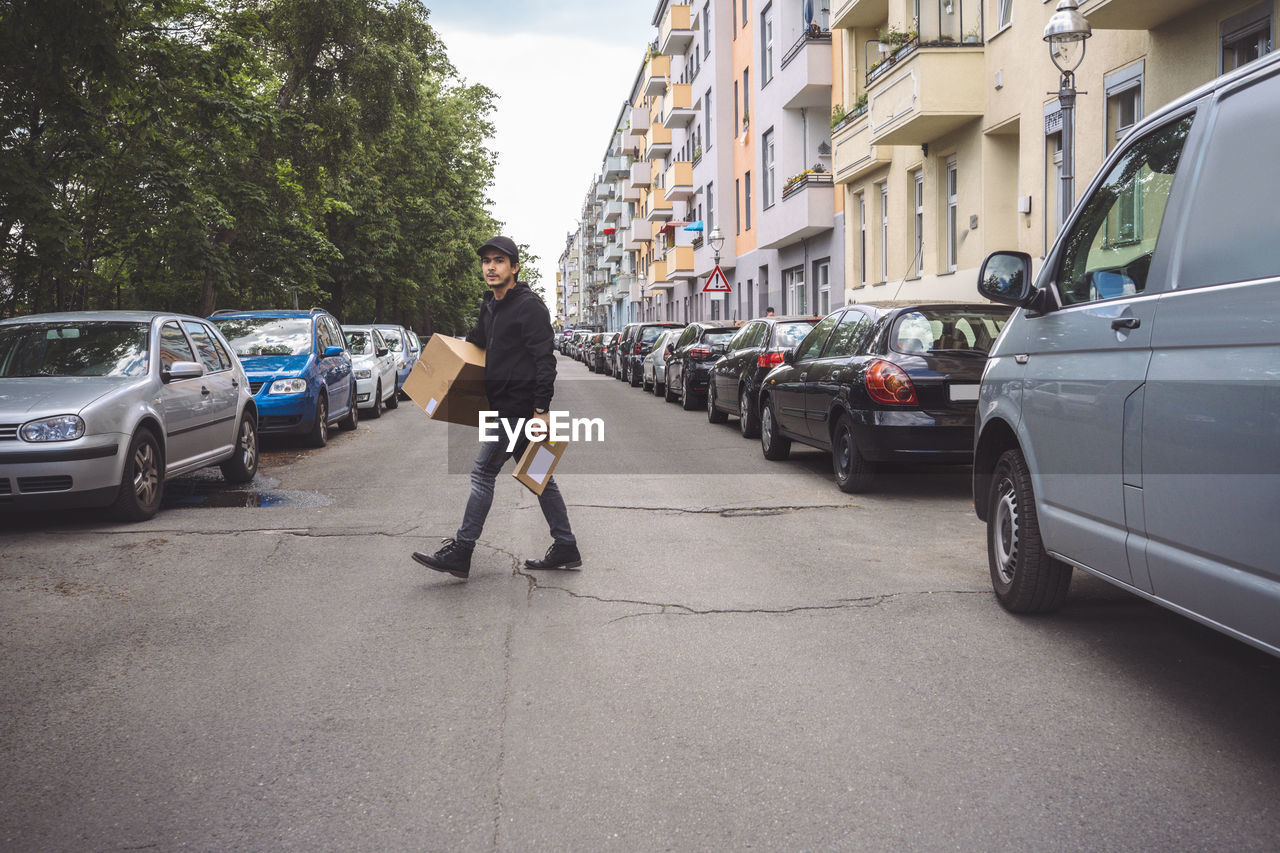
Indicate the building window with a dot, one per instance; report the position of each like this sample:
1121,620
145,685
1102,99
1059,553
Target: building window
952,213
746,199
744,13
917,262
768,188
1053,184
862,239
1245,37
1124,102
822,277
763,276
736,112
737,206
746,98
793,291
766,45
706,118
711,209
706,29
884,232
1004,13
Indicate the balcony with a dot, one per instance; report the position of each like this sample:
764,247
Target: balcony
677,106
659,206
603,190
615,168
658,277
676,33
613,252
806,208
641,174
1137,14
854,153
657,143
805,76
931,91
639,127
641,232
630,192
656,74
614,210
679,262
679,181
848,14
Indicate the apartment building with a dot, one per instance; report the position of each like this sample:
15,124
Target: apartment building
952,145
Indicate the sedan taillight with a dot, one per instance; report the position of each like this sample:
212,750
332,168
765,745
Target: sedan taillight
769,359
888,383
700,352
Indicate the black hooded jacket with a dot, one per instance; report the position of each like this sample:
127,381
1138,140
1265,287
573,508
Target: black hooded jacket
520,363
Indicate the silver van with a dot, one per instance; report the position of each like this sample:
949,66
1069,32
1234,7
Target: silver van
1129,414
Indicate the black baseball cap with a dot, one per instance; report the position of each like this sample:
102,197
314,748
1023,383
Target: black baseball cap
505,245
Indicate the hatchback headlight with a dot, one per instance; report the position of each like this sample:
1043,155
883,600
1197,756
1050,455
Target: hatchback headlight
60,428
288,386
364,374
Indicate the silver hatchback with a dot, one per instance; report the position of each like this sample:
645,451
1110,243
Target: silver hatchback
100,408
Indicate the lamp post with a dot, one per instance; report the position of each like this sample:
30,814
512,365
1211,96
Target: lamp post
716,239
1066,33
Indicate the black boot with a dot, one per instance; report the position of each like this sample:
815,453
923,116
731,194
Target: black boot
453,558
558,557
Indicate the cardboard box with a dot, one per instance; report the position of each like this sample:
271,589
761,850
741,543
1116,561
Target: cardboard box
537,462
447,382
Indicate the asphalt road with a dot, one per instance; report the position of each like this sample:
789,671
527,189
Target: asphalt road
749,659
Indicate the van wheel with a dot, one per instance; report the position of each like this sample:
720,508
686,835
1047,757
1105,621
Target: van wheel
774,445
352,418
1025,577
243,464
319,435
142,483
853,472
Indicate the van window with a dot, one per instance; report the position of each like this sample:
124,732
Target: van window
1231,233
1108,251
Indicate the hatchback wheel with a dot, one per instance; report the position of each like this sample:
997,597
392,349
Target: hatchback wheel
319,435
774,445
352,418
376,411
714,415
659,388
687,401
243,464
393,402
853,472
668,390
1025,577
635,378
142,483
748,420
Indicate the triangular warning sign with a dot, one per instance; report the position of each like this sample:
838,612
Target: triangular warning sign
717,283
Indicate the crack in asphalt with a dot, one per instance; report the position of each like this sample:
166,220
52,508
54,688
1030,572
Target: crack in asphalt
724,511
502,735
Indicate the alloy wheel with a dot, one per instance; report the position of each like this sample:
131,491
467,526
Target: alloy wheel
248,444
146,473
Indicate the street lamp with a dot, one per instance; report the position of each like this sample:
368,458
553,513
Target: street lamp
716,239
1066,33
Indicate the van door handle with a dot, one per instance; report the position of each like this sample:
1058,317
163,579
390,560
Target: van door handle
804,376
1126,323
204,391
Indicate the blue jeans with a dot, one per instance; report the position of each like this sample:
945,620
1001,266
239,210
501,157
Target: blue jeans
489,461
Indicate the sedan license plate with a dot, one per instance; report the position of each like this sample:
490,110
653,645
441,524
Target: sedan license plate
967,393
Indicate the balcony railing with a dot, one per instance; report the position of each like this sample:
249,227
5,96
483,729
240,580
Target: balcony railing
805,180
813,34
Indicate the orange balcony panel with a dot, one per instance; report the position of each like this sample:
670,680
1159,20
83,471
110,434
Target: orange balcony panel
677,30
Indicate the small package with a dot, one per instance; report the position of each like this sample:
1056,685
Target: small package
447,381
537,462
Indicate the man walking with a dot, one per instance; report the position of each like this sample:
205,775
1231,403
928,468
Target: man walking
514,330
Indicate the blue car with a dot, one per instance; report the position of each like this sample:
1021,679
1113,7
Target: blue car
299,370
404,349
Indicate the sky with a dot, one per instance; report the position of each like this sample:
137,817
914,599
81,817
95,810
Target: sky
561,71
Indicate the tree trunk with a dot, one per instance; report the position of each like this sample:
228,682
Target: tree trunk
209,292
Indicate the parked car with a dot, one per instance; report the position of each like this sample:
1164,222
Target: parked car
1128,417
653,368
562,339
611,353
642,338
589,348
879,383
397,338
299,370
576,342
755,350
620,351
374,365
690,358
596,361
101,408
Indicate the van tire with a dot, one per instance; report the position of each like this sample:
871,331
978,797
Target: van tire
1025,577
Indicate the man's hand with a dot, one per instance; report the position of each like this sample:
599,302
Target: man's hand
545,417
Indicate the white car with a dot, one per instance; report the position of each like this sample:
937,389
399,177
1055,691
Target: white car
374,365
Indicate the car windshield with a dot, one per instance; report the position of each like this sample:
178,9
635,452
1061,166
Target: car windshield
360,343
718,336
392,337
953,331
790,334
250,336
73,349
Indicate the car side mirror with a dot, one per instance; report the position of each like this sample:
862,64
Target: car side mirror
330,352
383,351
789,356
1006,278
670,350
182,370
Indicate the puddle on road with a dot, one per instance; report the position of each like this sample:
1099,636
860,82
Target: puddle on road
210,490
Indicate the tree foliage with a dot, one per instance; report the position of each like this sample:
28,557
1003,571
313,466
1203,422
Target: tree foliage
199,154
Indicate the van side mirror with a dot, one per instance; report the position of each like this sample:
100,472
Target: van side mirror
330,352
1006,278
789,355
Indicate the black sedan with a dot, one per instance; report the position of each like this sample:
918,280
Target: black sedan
755,350
879,383
689,361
